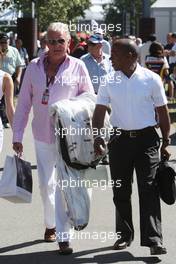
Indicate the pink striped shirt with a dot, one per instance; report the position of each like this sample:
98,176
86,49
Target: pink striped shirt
71,80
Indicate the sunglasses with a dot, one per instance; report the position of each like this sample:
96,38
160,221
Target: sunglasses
3,42
56,41
92,44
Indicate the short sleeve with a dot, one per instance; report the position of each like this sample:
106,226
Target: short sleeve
166,65
158,92
103,95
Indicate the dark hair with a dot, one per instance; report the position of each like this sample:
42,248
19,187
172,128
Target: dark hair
173,35
151,38
127,46
156,49
3,36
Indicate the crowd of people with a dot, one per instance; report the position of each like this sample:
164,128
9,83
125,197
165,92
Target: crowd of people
143,70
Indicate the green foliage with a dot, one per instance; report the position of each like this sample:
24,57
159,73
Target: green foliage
114,10
48,11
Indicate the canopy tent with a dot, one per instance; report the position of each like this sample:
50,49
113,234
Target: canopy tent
8,17
164,13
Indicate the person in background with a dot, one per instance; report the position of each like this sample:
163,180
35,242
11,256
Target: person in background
157,62
98,64
43,46
24,57
144,49
10,62
6,89
106,47
173,79
81,47
139,42
23,52
172,53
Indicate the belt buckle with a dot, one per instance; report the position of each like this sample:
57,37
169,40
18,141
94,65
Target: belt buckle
132,134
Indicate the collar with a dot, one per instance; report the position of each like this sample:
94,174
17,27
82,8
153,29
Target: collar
135,73
43,57
103,56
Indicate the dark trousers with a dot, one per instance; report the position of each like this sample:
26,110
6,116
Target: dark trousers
3,115
141,153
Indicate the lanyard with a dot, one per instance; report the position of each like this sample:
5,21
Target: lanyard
45,96
49,80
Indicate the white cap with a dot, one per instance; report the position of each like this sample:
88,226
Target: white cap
99,31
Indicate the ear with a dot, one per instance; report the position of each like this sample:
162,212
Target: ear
68,43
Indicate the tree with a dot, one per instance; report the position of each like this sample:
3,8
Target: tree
117,10
48,11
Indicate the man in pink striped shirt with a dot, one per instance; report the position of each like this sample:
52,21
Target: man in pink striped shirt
52,77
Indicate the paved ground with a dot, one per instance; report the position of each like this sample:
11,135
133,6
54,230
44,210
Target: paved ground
21,227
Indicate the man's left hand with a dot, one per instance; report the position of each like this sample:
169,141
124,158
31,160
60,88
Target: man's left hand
164,151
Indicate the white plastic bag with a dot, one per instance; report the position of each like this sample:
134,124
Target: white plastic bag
16,181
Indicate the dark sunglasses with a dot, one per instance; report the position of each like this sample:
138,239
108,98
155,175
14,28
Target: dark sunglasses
56,41
92,44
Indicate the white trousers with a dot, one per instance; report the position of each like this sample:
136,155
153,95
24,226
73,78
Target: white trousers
54,209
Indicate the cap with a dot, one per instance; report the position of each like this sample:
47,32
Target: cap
3,36
96,38
99,31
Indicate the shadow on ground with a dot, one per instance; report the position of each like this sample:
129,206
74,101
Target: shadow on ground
173,139
52,257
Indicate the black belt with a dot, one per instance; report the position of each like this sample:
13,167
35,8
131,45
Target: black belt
132,133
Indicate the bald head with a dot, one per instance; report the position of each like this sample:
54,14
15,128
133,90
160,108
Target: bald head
127,46
124,55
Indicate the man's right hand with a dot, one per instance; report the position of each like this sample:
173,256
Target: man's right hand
99,146
18,148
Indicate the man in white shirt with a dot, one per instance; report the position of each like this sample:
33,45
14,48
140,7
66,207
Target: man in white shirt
133,93
144,49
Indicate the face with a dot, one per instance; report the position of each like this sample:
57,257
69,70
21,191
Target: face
58,44
3,44
118,58
18,43
169,38
94,49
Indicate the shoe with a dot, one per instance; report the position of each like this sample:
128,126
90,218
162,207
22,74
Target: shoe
119,244
50,235
157,250
104,161
64,248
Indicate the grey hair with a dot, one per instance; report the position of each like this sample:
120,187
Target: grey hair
59,27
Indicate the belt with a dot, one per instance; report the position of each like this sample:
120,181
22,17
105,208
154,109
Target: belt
132,133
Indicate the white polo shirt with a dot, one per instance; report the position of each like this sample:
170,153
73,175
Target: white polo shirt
132,99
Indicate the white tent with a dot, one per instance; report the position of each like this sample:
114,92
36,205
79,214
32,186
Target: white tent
8,16
164,12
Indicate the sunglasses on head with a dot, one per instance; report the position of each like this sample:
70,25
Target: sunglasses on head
56,41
